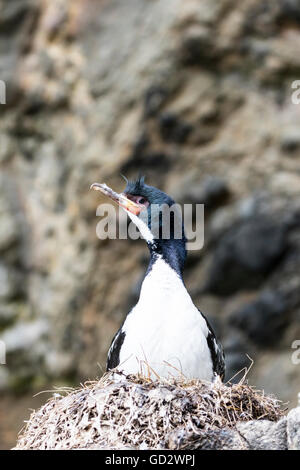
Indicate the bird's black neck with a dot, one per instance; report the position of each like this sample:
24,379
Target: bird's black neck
173,252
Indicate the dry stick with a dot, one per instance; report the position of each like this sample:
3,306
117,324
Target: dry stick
215,405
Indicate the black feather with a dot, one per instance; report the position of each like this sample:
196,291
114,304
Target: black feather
136,186
113,358
216,351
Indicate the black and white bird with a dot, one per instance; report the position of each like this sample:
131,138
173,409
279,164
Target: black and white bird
164,333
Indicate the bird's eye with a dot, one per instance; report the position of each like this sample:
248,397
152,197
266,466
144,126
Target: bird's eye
139,199
142,200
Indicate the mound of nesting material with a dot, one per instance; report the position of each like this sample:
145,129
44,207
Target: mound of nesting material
136,413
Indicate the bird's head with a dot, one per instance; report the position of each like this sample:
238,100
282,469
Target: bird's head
153,211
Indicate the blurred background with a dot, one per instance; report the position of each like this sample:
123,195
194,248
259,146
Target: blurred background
197,96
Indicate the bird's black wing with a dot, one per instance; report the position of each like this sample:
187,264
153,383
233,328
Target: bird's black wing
113,357
216,351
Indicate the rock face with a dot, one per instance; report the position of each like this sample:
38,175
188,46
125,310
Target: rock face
293,429
252,435
264,435
198,96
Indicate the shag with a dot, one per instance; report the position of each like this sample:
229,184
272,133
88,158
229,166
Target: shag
164,334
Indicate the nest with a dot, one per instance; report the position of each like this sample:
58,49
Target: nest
133,412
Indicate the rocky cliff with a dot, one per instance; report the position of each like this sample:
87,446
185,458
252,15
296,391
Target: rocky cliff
196,95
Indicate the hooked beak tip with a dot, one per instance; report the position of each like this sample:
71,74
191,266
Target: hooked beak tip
95,186
121,199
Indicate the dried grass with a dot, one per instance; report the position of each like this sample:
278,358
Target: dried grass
137,413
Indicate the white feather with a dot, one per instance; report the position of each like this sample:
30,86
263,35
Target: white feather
165,330
141,225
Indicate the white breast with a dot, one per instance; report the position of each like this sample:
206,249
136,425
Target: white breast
165,330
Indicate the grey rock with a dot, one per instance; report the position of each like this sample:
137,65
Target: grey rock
290,142
4,377
293,429
248,251
212,192
288,10
267,368
271,308
25,336
8,314
6,288
173,129
237,351
9,233
6,147
264,435
12,13
10,282
217,439
154,99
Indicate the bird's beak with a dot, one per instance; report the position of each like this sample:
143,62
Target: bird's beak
119,198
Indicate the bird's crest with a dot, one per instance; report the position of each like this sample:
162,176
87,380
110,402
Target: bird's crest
135,186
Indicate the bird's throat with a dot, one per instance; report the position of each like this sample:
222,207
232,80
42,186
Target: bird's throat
172,251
